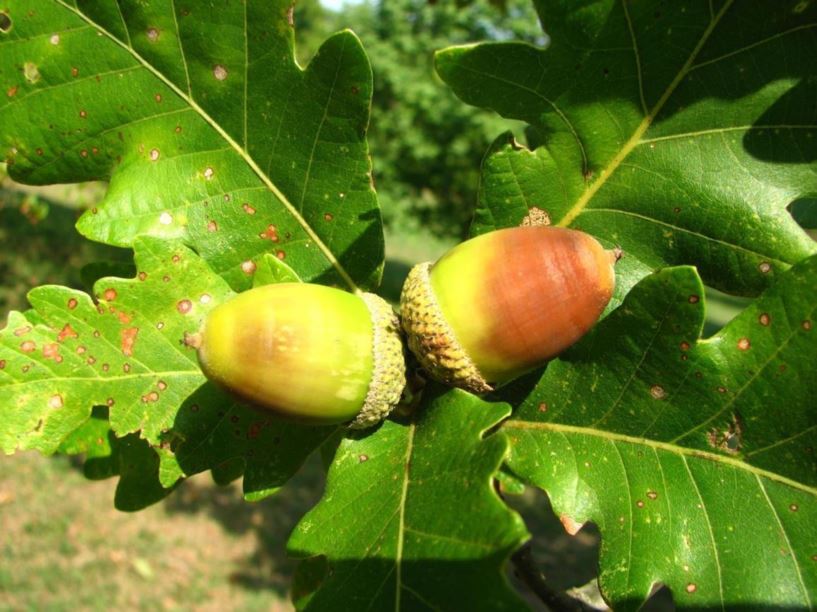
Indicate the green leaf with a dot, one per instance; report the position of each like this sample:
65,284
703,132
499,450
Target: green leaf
694,457
678,132
206,127
386,522
129,352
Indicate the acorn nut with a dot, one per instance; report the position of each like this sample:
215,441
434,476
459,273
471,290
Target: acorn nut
500,304
308,353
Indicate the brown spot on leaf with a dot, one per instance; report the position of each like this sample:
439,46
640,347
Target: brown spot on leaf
123,317
128,340
691,587
764,319
694,299
685,346
67,332
162,385
764,267
51,351
74,72
806,325
126,367
543,407
248,267
658,392
12,91
153,34
247,208
639,503
109,294
72,303
744,344
142,276
55,402
22,331
184,306
794,507
652,495
281,255
328,216
2,364
212,226
29,346
109,402
271,233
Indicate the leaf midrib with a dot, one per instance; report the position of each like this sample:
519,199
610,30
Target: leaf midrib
681,451
266,180
645,124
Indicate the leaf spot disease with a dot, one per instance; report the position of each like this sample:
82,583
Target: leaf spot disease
212,226
328,216
74,72
72,303
247,208
536,217
248,267
22,331
28,346
55,39
658,392
152,34
794,507
5,23
281,255
52,351
271,233
109,294
639,503
209,173
165,218
691,587
11,91
744,344
128,340
220,72
652,495
158,98
694,299
55,402
764,319
83,114
154,154
31,72
806,325
184,306
765,267
162,385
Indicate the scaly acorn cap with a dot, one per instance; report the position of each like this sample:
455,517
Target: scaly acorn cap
307,352
505,302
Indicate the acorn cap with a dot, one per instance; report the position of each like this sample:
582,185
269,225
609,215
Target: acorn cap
307,352
505,302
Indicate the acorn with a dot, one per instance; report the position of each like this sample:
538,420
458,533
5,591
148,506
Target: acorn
308,353
505,302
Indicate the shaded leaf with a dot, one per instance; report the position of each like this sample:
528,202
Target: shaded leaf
695,458
386,523
205,125
680,132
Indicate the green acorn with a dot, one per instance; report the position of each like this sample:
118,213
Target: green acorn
505,302
309,353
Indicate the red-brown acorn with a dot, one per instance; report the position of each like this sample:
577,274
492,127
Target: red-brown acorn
505,302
